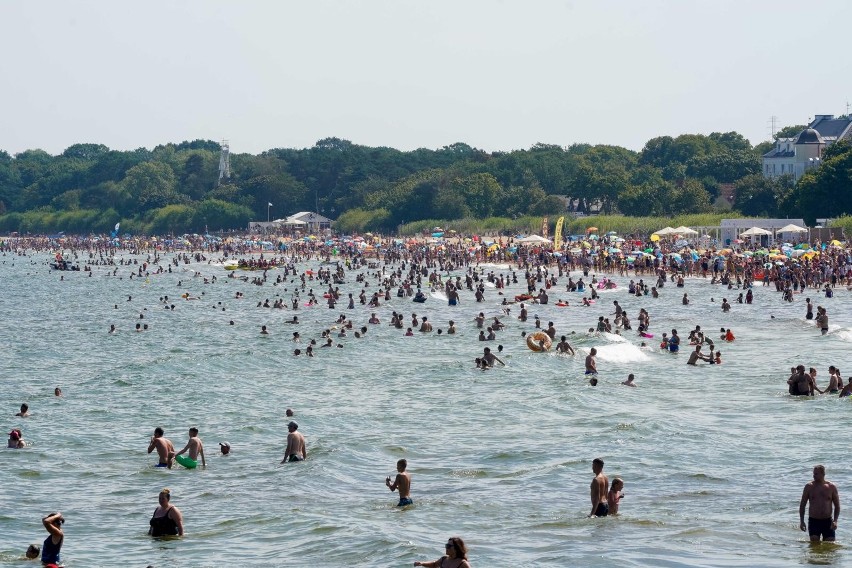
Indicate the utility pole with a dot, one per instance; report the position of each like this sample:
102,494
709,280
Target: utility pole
773,125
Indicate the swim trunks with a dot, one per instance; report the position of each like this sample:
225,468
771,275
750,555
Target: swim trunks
591,372
186,462
295,458
673,347
820,527
162,465
403,501
452,301
602,510
833,391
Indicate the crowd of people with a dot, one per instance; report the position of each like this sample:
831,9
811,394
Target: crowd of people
405,273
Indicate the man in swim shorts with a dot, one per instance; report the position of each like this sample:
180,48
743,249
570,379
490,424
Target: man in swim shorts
402,482
823,497
195,447
591,365
598,490
165,448
295,444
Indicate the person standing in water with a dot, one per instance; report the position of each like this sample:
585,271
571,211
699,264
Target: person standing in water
195,447
402,482
823,497
53,543
165,448
598,490
167,519
295,444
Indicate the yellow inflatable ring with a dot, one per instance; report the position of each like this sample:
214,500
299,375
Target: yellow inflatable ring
536,340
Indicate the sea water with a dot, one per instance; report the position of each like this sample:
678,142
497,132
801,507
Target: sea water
713,458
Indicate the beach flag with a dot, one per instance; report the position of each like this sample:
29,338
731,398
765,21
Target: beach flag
557,234
270,205
115,231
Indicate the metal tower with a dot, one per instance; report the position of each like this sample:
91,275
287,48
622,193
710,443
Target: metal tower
224,162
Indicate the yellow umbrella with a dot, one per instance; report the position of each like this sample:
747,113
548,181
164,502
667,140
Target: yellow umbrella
655,238
835,243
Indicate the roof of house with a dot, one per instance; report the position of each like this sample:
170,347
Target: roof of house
825,129
809,136
832,127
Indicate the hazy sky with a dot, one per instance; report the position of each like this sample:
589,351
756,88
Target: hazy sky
498,75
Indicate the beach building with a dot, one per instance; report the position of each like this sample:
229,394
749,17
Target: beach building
733,229
794,156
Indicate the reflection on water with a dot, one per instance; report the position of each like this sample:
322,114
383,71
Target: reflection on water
714,458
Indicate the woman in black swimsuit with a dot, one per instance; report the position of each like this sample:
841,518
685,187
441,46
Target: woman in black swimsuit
167,520
456,556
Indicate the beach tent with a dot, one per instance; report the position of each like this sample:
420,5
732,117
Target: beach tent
755,232
791,228
664,232
534,239
684,231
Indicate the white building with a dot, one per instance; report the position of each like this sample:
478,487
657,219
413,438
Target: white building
794,156
731,229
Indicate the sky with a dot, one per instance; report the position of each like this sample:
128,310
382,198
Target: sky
498,75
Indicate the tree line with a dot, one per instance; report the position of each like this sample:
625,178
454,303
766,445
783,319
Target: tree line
174,188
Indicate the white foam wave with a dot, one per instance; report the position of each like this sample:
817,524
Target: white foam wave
619,353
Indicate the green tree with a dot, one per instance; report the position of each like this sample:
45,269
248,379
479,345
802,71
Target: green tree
151,185
790,131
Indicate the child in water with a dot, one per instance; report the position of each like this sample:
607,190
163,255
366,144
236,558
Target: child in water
613,498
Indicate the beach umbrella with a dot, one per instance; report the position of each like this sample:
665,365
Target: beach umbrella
664,232
611,233
684,231
591,229
655,238
755,232
835,243
791,228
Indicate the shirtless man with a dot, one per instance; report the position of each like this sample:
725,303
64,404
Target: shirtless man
402,482
488,358
165,448
695,356
564,347
195,448
425,326
592,369
822,496
598,490
295,444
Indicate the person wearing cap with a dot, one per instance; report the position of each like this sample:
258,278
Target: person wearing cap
16,439
295,444
225,448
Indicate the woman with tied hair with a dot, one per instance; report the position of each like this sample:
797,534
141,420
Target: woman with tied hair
167,519
456,556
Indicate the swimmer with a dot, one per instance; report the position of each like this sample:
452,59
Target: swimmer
823,498
614,496
195,448
402,482
295,445
57,391
629,382
591,364
564,347
16,440
598,490
165,448
488,358
263,330
225,448
33,552
25,411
